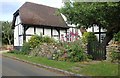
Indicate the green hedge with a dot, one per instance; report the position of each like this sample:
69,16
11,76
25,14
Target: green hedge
89,37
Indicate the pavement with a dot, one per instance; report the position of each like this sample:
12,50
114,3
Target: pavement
11,67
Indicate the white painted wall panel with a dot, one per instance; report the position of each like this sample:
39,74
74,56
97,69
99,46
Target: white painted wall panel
16,42
47,32
17,31
20,29
17,20
62,32
21,40
39,30
55,34
30,30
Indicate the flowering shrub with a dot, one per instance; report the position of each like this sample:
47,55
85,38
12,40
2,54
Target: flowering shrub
74,52
34,41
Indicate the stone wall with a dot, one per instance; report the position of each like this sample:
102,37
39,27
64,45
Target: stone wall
46,50
112,47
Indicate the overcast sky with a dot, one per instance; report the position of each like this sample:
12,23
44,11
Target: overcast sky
8,7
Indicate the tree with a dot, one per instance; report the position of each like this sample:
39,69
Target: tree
7,33
88,14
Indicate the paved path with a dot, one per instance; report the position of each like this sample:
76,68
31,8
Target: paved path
12,67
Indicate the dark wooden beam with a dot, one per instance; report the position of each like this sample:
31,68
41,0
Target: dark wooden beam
100,32
58,30
51,32
34,30
66,31
24,32
43,31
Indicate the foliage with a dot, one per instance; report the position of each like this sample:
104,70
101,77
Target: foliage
77,53
89,37
34,41
117,37
47,39
25,48
7,33
74,52
104,14
115,56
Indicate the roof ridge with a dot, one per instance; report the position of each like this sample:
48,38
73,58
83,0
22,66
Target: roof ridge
39,4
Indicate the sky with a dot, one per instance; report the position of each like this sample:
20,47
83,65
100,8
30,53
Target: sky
8,7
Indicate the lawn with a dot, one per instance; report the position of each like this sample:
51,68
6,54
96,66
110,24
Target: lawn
93,68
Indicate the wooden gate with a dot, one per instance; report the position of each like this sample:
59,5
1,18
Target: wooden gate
97,50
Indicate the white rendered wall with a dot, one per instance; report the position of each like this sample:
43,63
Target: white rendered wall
18,30
62,32
39,30
55,33
47,32
30,30
21,40
16,42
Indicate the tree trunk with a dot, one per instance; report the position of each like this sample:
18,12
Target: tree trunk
107,39
109,35
9,41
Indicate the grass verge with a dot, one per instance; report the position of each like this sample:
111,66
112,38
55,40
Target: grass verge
95,68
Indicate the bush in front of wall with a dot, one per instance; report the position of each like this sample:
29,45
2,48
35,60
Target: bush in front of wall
25,48
89,37
74,52
115,56
117,37
47,39
34,41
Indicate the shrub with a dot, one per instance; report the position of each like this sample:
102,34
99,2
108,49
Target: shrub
25,48
47,39
115,56
34,41
89,37
74,52
117,37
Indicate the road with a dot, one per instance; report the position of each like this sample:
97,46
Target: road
12,67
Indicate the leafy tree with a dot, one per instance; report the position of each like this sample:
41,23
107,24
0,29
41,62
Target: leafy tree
88,14
7,33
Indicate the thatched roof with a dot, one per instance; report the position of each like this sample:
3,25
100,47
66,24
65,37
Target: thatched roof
40,15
